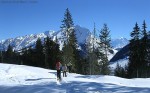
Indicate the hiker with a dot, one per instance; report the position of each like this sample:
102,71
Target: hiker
64,69
58,68
69,67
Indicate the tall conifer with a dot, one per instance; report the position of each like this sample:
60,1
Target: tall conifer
105,47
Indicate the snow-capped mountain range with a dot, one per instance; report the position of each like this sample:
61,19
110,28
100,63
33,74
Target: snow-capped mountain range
29,40
119,43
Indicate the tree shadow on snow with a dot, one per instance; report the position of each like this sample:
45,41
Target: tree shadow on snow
38,79
53,73
89,76
73,87
92,87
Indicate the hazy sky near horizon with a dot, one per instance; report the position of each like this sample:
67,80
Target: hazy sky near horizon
23,17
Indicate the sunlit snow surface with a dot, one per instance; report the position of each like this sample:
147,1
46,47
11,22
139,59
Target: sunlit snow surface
25,79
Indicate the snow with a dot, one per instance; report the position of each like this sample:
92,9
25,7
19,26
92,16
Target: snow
82,35
26,79
28,40
121,62
110,56
119,43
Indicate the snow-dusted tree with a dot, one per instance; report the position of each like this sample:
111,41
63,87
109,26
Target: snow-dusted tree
104,48
67,25
70,47
89,57
92,56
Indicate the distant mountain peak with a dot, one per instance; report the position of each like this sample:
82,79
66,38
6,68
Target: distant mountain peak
82,35
119,43
50,32
28,40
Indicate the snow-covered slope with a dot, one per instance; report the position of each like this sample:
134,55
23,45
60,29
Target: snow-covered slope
121,57
25,79
121,62
82,34
119,43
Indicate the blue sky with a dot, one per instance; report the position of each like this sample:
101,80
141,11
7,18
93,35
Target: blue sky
23,18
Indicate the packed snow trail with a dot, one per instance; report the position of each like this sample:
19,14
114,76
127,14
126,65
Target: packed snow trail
26,79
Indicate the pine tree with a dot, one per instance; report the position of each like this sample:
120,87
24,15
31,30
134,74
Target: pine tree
67,25
92,54
95,57
51,52
68,55
105,39
43,55
9,54
55,54
120,71
105,47
88,55
29,57
70,42
1,56
134,53
145,51
94,66
39,56
67,22
85,66
16,58
77,58
100,55
46,51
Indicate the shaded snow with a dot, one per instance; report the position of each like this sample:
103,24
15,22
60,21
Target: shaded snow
121,62
25,79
